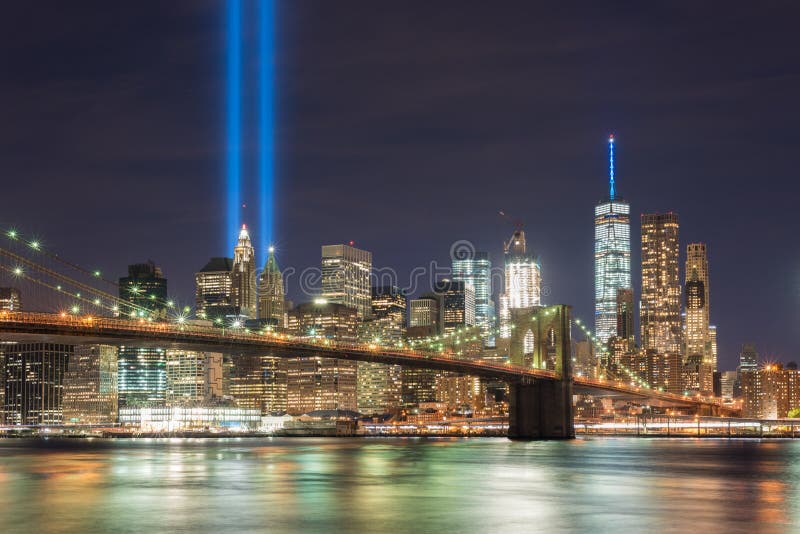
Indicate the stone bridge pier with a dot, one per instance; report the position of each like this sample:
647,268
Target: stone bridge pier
541,408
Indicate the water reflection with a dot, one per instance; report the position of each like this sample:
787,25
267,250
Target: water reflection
401,485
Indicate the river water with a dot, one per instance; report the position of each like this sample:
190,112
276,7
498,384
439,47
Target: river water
399,485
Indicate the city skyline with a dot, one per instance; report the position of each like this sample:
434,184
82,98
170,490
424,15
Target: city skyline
663,162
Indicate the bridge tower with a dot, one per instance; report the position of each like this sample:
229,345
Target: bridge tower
541,408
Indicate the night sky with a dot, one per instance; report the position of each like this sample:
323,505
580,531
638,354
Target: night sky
406,126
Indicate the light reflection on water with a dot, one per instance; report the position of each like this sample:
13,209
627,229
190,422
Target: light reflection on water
399,485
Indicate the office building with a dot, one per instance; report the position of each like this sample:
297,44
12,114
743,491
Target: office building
728,381
612,256
346,277
322,383
426,312
457,304
10,299
193,377
475,271
523,280
389,312
214,291
243,276
90,386
748,358
271,297
141,371
378,388
34,382
259,382
625,313
712,333
660,305
378,385
142,376
143,292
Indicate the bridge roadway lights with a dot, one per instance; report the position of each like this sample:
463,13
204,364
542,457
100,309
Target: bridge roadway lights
541,409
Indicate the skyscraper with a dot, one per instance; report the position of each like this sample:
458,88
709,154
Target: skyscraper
259,382
389,313
90,386
271,298
523,283
378,385
625,312
425,312
142,376
748,358
193,377
712,332
144,291
612,255
475,270
34,382
457,304
346,277
214,290
425,320
243,277
141,370
698,339
322,383
10,299
660,306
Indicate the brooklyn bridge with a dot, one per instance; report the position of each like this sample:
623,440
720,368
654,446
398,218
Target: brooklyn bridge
75,308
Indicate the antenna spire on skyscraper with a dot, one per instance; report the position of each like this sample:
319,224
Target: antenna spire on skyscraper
612,191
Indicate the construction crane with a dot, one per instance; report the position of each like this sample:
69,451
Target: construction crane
516,243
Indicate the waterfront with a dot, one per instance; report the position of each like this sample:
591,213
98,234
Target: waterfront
399,485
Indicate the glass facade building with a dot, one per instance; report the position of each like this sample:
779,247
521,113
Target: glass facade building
612,263
142,376
33,381
214,290
143,292
90,386
476,271
346,277
458,304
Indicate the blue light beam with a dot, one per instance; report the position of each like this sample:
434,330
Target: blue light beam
233,126
266,125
